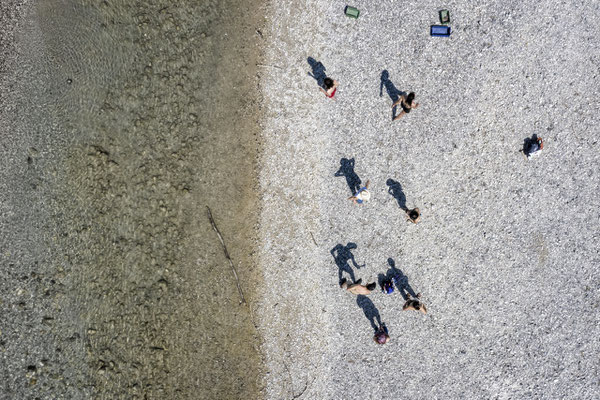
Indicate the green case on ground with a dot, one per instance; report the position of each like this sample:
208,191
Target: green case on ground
444,16
352,12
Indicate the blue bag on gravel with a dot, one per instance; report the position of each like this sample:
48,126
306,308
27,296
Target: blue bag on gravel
440,30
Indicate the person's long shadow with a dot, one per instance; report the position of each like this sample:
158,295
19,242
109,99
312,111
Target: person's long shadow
395,189
342,255
371,312
318,71
347,170
395,275
391,90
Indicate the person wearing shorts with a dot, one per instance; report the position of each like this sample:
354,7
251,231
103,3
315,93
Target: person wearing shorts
407,103
357,287
362,196
414,304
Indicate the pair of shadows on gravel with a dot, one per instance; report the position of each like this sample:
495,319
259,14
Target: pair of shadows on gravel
342,255
347,170
318,71
390,88
395,275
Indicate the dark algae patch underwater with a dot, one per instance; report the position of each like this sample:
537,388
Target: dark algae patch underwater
158,104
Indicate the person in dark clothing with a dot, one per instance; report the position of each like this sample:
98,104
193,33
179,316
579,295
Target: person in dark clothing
407,103
381,336
532,146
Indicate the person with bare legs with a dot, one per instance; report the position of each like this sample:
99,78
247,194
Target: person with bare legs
407,103
362,196
357,287
413,215
414,303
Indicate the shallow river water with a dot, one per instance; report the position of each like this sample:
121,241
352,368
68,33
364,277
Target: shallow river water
146,113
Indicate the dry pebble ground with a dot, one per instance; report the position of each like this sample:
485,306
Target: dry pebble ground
507,252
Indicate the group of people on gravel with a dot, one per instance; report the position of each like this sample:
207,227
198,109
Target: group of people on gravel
412,303
407,102
531,147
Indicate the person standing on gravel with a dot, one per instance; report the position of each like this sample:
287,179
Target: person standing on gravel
363,195
414,304
381,336
407,103
330,87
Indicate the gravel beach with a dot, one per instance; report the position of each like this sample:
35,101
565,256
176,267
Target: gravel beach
506,254
121,121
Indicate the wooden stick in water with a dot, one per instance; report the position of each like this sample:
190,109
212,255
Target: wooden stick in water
267,65
237,281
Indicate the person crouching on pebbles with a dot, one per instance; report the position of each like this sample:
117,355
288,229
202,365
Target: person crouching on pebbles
414,304
407,103
330,87
387,286
362,196
532,146
413,215
357,288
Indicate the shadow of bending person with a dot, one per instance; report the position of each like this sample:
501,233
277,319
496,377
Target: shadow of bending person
395,276
342,255
318,71
371,312
395,189
347,170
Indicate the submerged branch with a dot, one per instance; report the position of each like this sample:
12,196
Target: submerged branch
237,281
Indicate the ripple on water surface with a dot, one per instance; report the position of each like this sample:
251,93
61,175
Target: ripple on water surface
144,92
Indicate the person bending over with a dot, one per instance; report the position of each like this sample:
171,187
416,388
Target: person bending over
330,87
407,103
413,215
362,196
357,288
534,147
414,304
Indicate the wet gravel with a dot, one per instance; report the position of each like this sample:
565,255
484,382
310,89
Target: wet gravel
121,122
